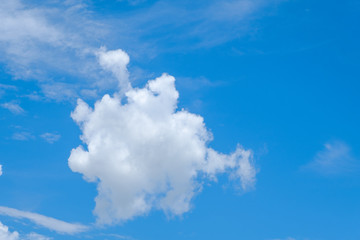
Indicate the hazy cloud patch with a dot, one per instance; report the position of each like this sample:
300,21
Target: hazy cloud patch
50,137
335,158
23,136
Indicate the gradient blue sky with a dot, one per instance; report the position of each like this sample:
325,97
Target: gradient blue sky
279,77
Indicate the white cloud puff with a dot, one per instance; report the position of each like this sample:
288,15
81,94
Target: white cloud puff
145,154
115,61
1,170
6,234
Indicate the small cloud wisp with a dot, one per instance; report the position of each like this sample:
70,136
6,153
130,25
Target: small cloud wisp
334,159
44,221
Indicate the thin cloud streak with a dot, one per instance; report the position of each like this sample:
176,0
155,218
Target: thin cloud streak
44,221
204,24
13,107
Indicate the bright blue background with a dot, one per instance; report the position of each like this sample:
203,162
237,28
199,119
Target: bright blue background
283,89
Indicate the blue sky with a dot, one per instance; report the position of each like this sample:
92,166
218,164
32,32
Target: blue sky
234,119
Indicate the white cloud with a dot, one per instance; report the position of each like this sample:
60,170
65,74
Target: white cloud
116,61
335,158
36,236
204,24
1,170
117,236
146,154
22,136
7,87
50,137
59,91
47,222
5,234
13,107
39,41
54,41
22,28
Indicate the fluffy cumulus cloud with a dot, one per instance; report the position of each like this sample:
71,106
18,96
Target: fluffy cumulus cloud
144,153
6,234
115,62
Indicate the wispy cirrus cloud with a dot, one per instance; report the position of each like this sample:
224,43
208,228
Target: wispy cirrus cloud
50,137
336,158
6,86
34,34
13,107
23,136
44,221
49,41
196,24
56,42
35,236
